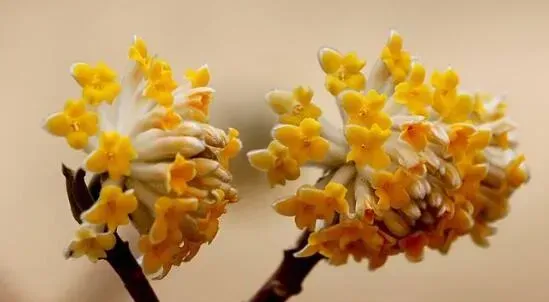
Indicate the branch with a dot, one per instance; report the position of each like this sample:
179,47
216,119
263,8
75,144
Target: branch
81,197
286,281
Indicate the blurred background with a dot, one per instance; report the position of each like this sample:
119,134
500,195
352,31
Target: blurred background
251,47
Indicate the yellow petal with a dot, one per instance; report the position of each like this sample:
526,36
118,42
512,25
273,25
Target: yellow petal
334,85
286,207
330,60
353,63
77,140
351,101
356,81
58,124
261,159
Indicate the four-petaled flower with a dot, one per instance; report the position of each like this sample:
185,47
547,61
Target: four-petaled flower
114,154
277,162
99,83
180,172
90,243
112,208
168,216
138,52
156,256
391,189
416,134
365,110
75,123
396,60
160,84
465,140
367,146
232,148
304,141
342,71
471,175
414,94
310,204
293,107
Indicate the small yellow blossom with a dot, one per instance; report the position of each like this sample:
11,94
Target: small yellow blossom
114,154
480,109
367,146
414,94
168,217
516,176
169,120
445,84
75,123
471,176
457,110
466,140
303,141
209,225
88,242
160,84
310,204
156,256
200,99
342,71
199,77
293,109
365,110
112,208
231,149
277,162
391,189
395,58
451,106
99,83
349,237
180,172
416,134
138,52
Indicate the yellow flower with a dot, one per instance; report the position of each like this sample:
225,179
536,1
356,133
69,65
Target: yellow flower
416,134
367,146
471,176
169,212
160,84
451,107
88,242
180,172
365,110
112,208
396,60
294,108
391,189
200,99
199,77
303,141
342,71
209,225
465,141
516,176
75,123
156,256
138,52
277,162
414,94
310,204
169,120
349,237
99,82
114,154
230,150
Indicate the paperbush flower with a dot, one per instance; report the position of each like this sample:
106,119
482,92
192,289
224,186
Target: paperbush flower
166,167
417,163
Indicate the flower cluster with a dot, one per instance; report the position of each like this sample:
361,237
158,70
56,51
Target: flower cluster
417,164
166,167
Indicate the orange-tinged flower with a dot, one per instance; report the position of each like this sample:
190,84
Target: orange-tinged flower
416,134
304,141
391,189
277,162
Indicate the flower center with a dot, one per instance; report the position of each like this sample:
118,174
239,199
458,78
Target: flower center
75,126
363,112
364,147
307,143
298,109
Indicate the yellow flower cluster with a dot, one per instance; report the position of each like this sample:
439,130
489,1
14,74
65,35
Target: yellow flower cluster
166,167
417,164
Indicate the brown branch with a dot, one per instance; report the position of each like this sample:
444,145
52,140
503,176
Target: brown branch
81,197
286,281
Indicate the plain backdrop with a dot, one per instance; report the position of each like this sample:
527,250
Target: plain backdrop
251,47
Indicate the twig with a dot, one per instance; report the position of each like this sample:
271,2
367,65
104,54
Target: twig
286,281
81,197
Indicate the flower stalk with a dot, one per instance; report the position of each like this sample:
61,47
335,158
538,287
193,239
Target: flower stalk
81,198
288,278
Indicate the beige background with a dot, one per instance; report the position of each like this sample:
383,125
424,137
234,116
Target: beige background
251,47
